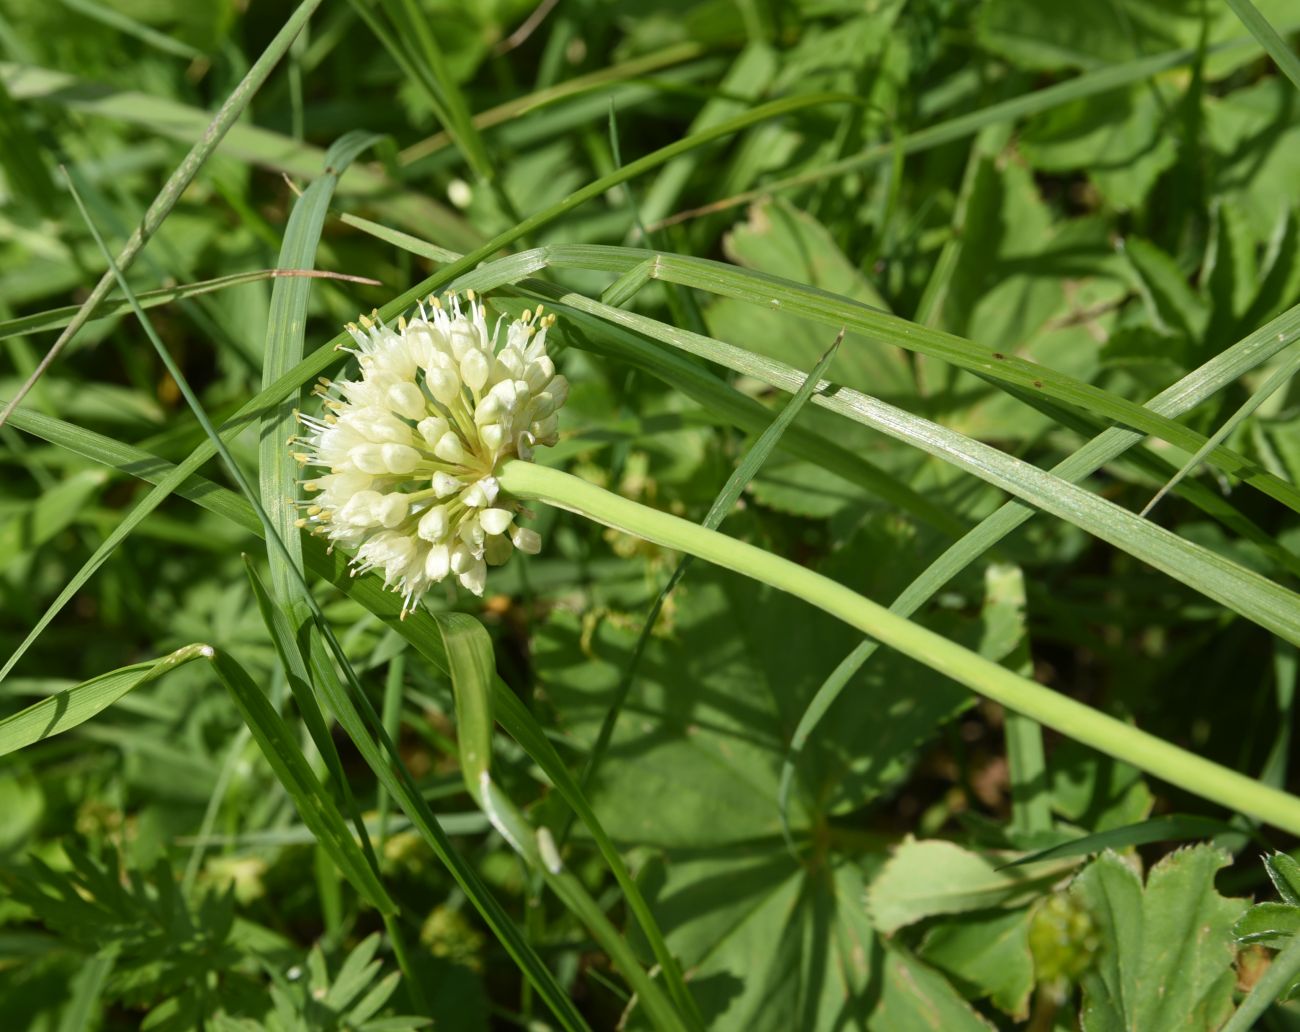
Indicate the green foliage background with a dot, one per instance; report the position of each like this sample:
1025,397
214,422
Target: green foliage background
727,811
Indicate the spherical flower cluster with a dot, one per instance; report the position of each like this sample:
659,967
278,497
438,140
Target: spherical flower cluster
412,446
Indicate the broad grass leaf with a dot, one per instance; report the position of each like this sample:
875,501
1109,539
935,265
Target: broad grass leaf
1167,952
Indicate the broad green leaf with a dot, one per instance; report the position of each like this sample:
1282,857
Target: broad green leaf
1268,924
986,953
1284,872
924,878
1119,139
1166,959
780,239
698,768
776,946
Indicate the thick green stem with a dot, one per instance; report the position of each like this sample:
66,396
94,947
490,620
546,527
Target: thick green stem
1082,723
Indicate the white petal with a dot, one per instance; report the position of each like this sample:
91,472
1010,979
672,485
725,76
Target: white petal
475,578
474,369
526,540
433,524
495,521
392,508
438,563
445,484
449,447
432,428
400,458
407,399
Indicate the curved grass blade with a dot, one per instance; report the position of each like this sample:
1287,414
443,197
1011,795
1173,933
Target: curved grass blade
1168,828
1283,56
472,668
678,53
1278,379
834,310
56,318
176,185
72,706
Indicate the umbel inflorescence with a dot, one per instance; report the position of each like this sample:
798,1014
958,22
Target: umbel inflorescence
413,445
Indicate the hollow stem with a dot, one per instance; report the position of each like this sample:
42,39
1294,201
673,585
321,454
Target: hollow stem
1210,781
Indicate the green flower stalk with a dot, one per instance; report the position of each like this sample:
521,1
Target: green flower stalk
528,481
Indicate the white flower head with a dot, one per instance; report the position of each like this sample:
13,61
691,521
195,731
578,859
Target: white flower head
413,445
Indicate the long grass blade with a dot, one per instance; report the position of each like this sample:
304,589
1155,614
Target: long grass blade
1258,599
1278,379
1269,38
832,310
73,706
179,180
57,318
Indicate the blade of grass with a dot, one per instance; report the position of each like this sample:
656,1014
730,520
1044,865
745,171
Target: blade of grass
1272,984
249,143
56,318
130,27
1269,38
515,108
773,292
472,668
740,478
176,184
1167,828
1278,379
72,706
285,335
